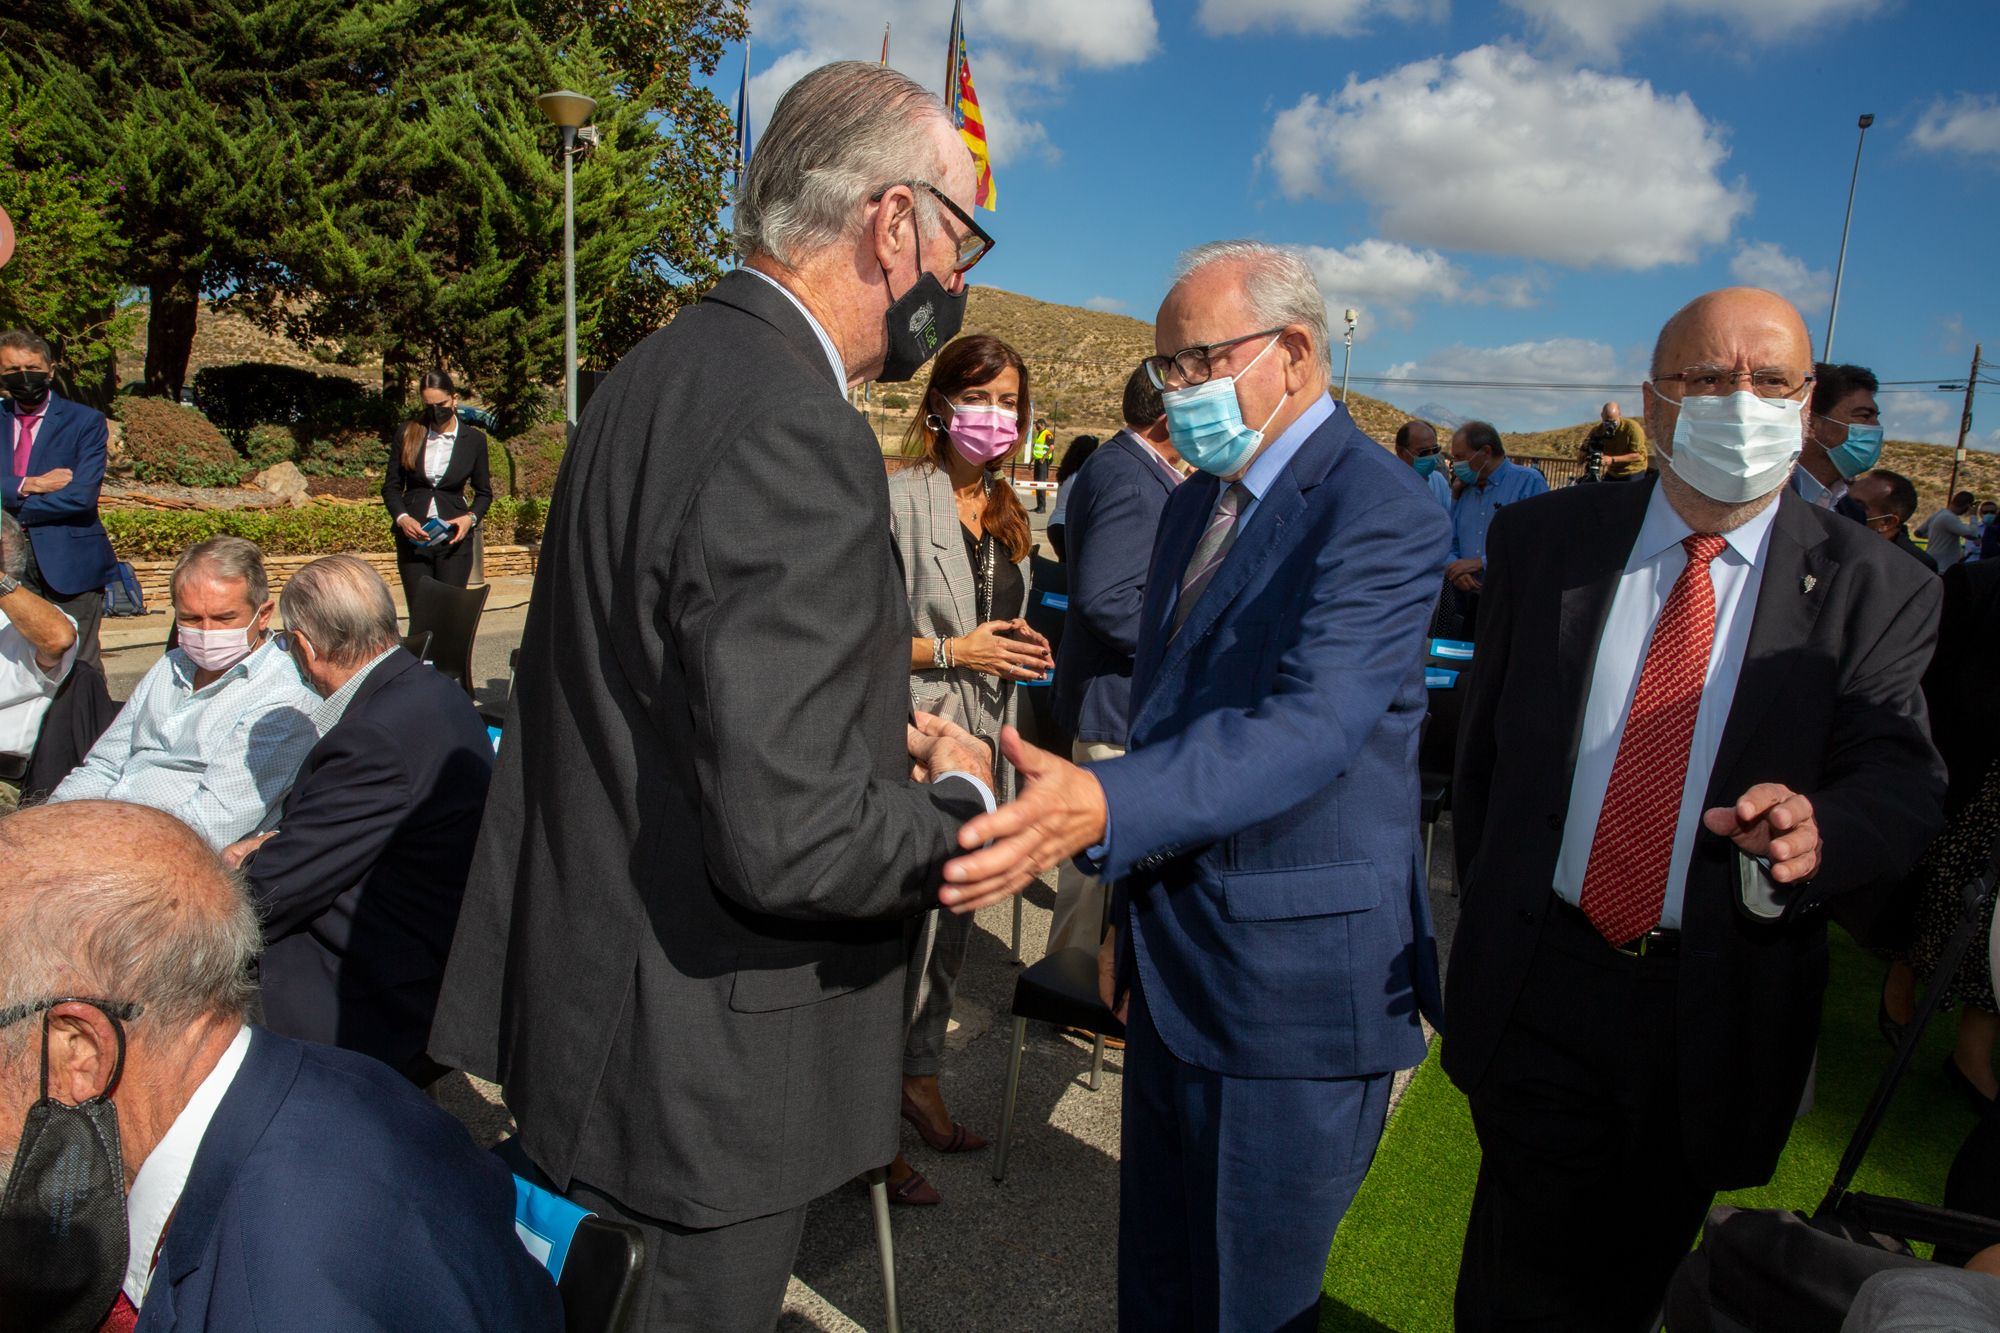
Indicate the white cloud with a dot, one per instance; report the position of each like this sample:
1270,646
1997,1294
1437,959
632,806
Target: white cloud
1385,278
1554,361
1765,264
1110,305
1020,51
1599,27
1497,151
1322,18
1964,124
1933,418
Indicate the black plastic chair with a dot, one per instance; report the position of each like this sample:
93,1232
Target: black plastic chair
450,616
417,645
1060,989
594,1260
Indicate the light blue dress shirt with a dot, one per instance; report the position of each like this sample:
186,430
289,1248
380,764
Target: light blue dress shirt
1656,560
1472,512
219,758
1440,488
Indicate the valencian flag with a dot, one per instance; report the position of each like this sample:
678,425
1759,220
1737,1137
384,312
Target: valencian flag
964,105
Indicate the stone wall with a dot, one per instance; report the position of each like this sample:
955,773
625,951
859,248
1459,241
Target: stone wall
501,562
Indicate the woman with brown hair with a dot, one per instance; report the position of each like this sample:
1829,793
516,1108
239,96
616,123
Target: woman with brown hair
430,465
964,540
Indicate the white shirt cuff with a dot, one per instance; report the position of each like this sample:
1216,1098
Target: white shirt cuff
985,792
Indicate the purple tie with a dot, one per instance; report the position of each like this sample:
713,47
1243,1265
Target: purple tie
24,444
1210,551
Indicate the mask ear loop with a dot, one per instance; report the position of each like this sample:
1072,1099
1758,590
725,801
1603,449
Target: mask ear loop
117,1069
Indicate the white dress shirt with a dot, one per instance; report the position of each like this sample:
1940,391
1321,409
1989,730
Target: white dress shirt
156,1190
437,458
1656,560
25,689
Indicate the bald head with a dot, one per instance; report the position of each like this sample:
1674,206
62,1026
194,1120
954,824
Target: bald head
1741,318
1610,413
123,902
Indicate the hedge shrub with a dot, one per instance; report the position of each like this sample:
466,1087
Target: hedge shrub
317,529
345,451
238,398
170,443
268,446
538,455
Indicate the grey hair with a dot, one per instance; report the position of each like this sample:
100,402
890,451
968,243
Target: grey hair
228,559
25,340
175,931
841,133
1278,284
344,608
13,547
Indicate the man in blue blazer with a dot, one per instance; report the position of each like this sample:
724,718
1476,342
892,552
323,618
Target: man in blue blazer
1114,508
359,887
51,468
212,1175
1273,937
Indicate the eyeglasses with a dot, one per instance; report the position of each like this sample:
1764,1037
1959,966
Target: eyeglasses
972,246
123,1011
1713,381
1191,364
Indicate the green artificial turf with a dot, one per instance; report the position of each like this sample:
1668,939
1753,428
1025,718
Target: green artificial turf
1395,1259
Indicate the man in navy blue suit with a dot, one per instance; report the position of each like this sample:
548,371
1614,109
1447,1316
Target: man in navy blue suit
1273,942
210,1174
360,884
50,473
1114,508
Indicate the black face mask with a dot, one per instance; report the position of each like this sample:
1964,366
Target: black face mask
26,387
923,320
63,1236
437,415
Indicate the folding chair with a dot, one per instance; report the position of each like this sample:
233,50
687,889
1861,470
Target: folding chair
450,616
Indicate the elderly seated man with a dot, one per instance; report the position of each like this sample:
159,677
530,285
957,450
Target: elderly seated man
208,1174
216,731
359,886
37,649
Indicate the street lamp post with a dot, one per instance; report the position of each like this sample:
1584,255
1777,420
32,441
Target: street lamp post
1348,364
569,112
1840,266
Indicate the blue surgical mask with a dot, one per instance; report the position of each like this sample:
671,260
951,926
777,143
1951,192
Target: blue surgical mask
1466,473
1205,422
1861,450
1425,464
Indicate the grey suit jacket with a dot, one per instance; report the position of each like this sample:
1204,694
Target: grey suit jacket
942,589
682,945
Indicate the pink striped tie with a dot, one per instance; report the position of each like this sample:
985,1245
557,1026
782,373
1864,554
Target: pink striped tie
1210,551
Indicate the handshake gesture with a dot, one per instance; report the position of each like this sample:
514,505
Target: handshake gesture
1059,812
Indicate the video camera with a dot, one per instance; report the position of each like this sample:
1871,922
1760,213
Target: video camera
1593,458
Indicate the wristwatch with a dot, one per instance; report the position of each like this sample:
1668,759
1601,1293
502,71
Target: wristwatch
8,583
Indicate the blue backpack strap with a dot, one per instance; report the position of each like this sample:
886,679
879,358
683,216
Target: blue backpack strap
1439,678
546,1223
1456,650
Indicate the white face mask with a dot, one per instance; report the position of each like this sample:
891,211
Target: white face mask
1736,447
216,649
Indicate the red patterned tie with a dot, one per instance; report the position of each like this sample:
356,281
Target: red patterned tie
1626,880
123,1317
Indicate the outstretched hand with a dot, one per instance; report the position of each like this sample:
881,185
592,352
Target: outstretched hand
1059,813
1771,820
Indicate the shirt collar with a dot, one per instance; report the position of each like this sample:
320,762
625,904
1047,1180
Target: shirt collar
1154,454
1664,529
163,1176
37,414
332,708
825,341
1279,452
1812,491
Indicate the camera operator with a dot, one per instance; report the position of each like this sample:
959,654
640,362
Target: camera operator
1615,449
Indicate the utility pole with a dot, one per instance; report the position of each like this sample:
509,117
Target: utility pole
1964,423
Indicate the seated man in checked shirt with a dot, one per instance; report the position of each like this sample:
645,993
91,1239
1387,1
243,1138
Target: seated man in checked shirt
216,731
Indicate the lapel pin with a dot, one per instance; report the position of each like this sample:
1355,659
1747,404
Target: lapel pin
1806,583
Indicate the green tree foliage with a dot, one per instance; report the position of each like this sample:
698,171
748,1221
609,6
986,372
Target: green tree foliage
64,281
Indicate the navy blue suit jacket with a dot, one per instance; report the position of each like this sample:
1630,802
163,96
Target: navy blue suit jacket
1264,830
68,540
1112,516
329,1194
360,889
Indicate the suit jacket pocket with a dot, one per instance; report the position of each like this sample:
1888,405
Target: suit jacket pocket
1331,889
771,979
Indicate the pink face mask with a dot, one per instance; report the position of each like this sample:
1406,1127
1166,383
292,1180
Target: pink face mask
215,649
981,433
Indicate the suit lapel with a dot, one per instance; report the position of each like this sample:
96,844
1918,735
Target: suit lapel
1798,573
1176,548
948,547
1589,583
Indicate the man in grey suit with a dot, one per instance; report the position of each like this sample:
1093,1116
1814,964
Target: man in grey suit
682,946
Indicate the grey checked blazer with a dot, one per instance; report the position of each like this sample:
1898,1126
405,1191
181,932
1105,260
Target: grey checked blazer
942,589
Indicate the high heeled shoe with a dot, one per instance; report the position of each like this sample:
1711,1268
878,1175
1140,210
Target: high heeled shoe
960,1139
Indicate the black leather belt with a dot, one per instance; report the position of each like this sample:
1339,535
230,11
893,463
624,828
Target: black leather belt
1655,943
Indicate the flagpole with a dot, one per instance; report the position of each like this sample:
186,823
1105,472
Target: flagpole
951,65
885,45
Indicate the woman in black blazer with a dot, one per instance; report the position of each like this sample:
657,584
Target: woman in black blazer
433,459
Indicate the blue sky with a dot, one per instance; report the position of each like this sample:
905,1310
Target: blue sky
1511,191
